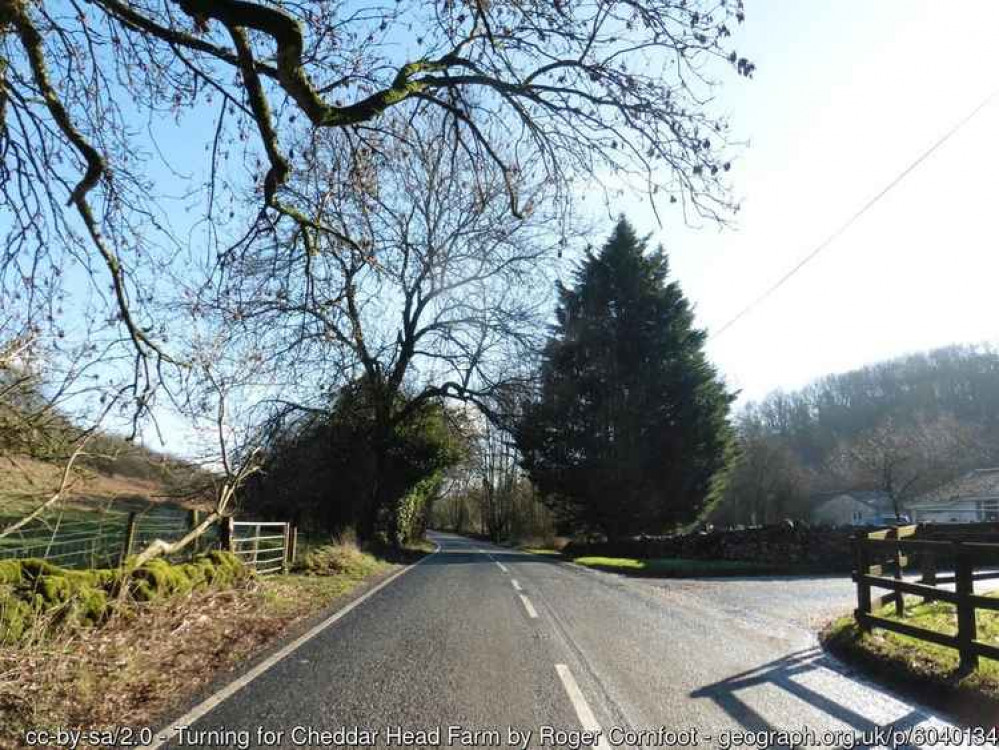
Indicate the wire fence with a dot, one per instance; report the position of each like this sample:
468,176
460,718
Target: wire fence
101,537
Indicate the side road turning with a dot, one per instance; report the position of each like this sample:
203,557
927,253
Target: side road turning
481,646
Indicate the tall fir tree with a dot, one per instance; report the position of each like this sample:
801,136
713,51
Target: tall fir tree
631,421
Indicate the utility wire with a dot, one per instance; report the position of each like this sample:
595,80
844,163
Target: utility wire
849,222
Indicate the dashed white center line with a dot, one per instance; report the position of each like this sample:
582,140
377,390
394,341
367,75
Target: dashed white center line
583,712
501,565
516,585
531,611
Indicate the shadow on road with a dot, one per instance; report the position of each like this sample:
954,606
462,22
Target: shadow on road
787,675
471,556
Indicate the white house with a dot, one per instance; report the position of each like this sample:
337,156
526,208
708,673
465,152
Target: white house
972,498
855,508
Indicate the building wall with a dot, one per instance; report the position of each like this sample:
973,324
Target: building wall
843,510
959,512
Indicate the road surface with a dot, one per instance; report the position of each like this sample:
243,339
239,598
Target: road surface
477,640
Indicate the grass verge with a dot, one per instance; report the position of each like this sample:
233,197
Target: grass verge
673,567
924,671
543,551
663,567
147,661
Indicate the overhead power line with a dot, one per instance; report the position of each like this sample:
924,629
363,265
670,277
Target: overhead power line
850,221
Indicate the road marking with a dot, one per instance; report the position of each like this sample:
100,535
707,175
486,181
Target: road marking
531,611
490,556
213,701
516,586
583,712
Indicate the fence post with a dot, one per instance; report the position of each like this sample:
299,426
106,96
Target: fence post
967,627
226,531
256,544
929,564
129,540
863,588
899,596
286,564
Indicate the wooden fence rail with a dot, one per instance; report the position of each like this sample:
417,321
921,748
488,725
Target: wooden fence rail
881,559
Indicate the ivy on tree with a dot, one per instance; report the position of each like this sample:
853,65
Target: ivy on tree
630,425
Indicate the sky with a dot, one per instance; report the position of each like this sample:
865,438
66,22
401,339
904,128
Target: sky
845,96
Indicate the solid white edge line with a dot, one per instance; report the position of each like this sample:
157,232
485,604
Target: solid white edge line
582,708
531,611
516,584
213,701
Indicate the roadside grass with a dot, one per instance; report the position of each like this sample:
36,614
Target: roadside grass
151,658
298,594
662,567
672,567
422,546
927,671
542,551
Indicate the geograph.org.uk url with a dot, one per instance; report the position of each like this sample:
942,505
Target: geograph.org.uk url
846,739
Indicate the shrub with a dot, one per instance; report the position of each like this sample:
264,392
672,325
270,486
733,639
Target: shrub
342,557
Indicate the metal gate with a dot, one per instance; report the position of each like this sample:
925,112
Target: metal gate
265,546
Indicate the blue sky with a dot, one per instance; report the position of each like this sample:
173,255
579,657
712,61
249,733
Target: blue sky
845,96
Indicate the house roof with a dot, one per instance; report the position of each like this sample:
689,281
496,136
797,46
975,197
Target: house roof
978,484
876,500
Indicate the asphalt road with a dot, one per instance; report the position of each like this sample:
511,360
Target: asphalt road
486,639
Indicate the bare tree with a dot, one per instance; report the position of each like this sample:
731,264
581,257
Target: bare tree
424,287
489,492
499,471
766,483
904,459
612,89
528,93
425,282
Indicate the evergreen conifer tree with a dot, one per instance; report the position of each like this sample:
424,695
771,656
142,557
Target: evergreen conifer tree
630,425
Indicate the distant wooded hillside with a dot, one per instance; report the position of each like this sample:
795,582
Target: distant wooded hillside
900,426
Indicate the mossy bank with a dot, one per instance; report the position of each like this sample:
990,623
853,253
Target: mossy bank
37,596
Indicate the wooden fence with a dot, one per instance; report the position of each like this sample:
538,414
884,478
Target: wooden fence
971,552
265,546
